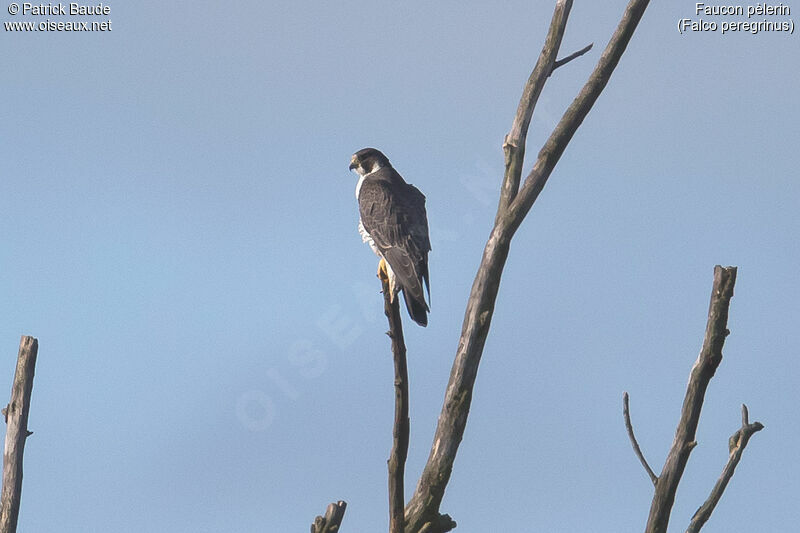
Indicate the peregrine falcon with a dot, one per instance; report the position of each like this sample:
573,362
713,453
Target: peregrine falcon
394,223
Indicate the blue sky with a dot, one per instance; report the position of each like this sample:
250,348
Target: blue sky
178,230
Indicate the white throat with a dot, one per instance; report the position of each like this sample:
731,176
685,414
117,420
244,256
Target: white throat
358,185
361,178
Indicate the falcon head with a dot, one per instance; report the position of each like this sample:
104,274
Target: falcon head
368,160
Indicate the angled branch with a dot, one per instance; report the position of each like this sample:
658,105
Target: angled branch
514,145
397,457
16,414
736,446
332,521
575,113
565,60
638,451
703,370
423,508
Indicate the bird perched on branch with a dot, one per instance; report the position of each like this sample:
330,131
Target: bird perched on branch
394,224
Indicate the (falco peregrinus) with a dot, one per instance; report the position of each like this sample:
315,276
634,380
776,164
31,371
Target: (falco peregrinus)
393,222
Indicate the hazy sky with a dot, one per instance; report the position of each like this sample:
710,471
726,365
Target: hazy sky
179,232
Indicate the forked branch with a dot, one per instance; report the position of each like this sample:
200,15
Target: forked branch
573,117
703,370
422,510
736,446
514,144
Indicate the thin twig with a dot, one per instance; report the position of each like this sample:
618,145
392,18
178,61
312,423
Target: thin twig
563,61
736,446
16,414
400,435
638,451
703,370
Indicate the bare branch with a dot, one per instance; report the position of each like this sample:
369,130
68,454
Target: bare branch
579,53
577,111
397,458
627,415
701,374
736,446
423,508
514,145
332,520
16,414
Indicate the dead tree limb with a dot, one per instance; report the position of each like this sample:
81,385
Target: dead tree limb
736,446
573,117
626,413
332,520
563,61
514,144
703,370
422,510
400,434
16,415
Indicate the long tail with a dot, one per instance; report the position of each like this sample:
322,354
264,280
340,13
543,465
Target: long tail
410,278
417,310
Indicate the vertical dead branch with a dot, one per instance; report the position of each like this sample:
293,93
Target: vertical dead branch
332,520
400,435
736,446
16,414
703,370
514,144
423,508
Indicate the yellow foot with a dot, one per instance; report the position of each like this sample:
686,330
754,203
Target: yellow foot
383,275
